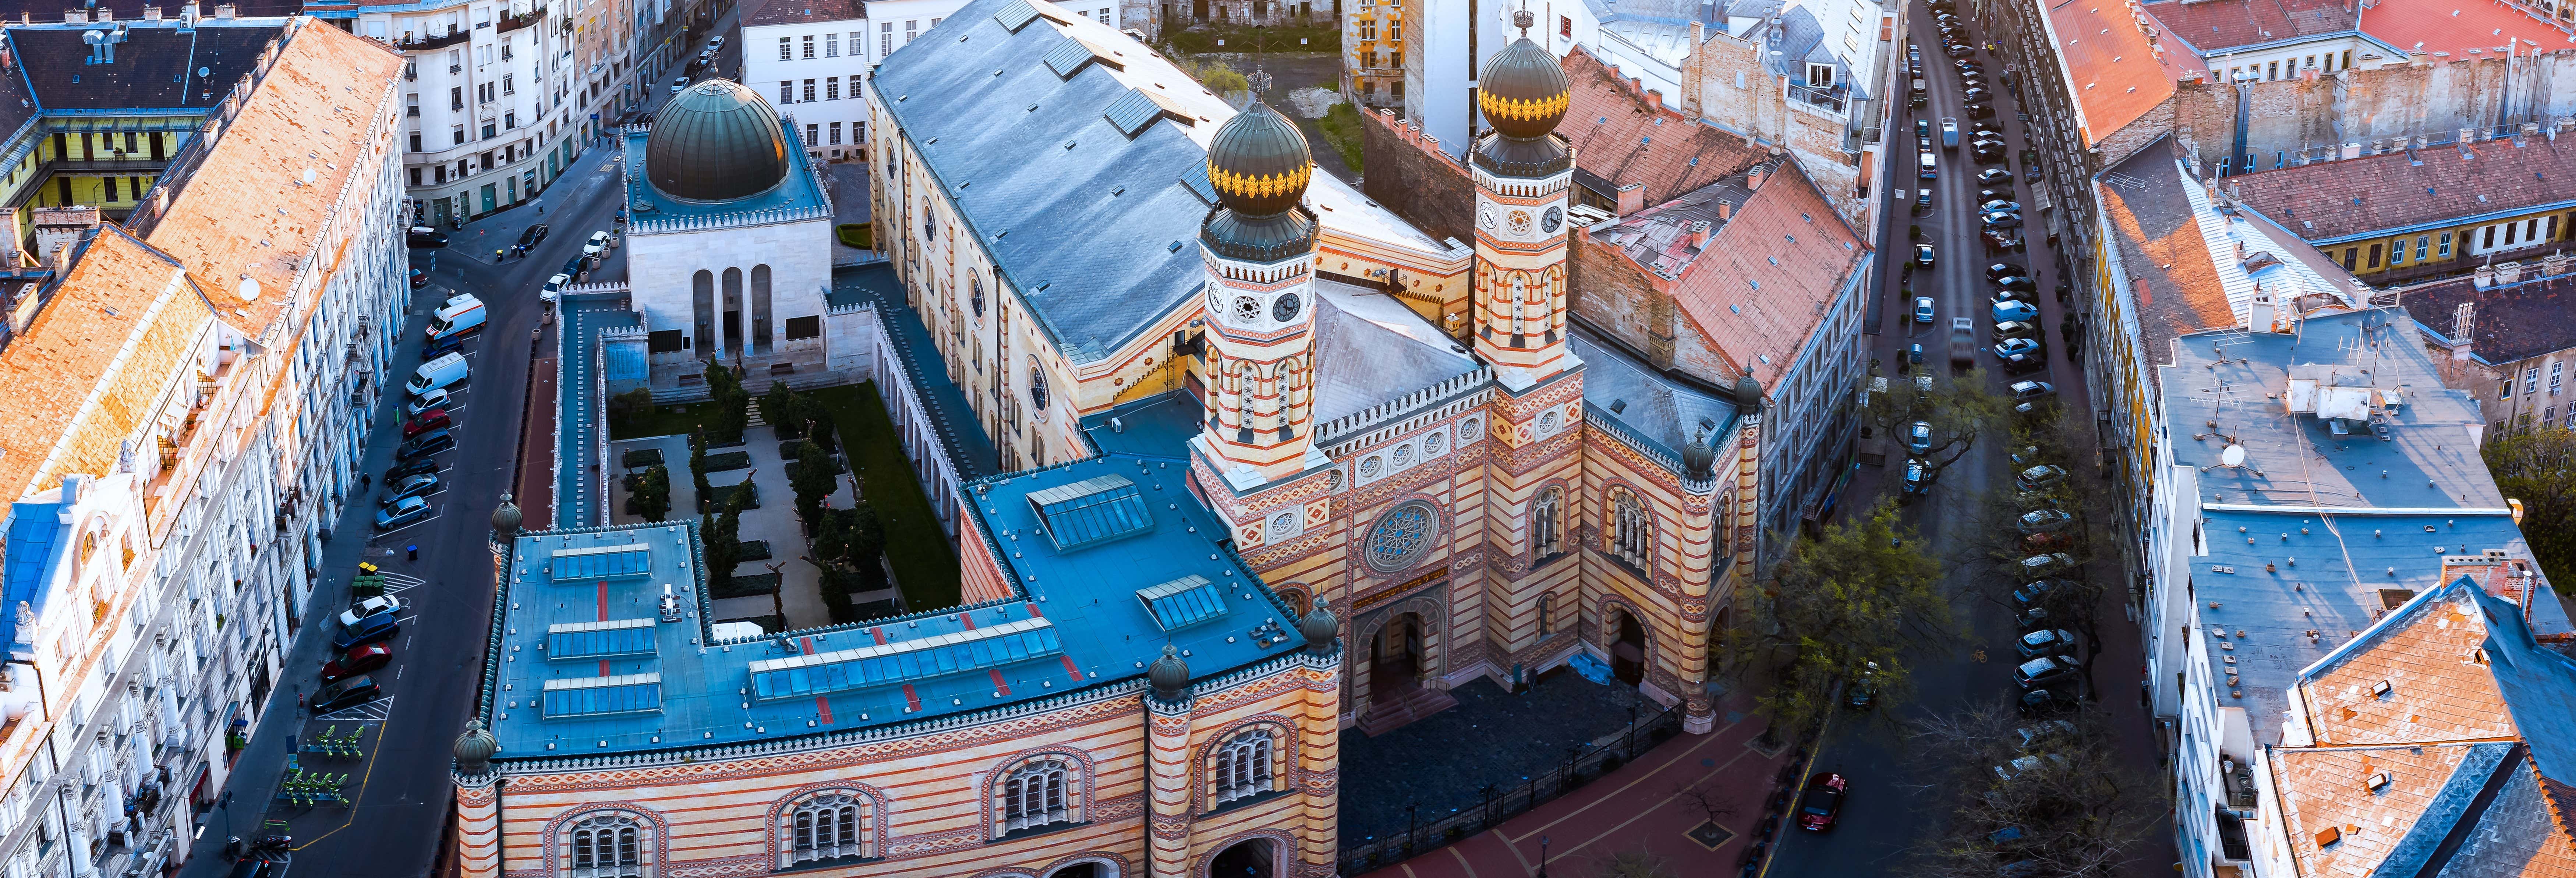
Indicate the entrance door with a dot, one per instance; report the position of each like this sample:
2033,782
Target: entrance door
1397,654
1198,8
1249,858
1628,653
490,198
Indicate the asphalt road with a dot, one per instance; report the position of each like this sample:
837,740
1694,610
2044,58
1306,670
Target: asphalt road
400,786
1897,797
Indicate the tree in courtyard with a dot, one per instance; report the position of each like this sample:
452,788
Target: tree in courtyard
652,493
1215,75
698,467
813,476
808,411
2538,467
732,404
849,538
631,405
1958,408
1863,591
778,407
1634,861
2057,796
721,540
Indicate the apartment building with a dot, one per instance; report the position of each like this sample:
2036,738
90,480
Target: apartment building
811,59
1373,53
2502,334
487,98
183,415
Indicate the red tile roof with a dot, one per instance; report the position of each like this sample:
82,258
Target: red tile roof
2158,235
2329,201
2212,25
1621,138
2116,73
1767,279
2465,29
122,325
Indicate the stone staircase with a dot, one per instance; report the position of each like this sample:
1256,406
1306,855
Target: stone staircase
758,384
1393,710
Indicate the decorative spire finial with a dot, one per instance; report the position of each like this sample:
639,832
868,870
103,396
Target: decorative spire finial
1523,19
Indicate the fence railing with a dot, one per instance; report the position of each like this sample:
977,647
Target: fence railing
1432,825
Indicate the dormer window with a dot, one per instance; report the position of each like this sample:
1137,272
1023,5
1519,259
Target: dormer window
1820,76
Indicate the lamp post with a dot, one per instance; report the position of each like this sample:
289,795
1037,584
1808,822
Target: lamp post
1542,856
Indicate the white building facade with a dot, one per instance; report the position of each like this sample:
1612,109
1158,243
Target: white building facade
811,60
487,99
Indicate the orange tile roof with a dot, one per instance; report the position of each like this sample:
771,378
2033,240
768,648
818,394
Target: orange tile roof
2464,29
123,322
2436,692
2328,794
2212,25
1620,138
1769,276
249,212
2115,72
2162,250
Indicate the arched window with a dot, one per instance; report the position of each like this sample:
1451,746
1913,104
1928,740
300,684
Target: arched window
1632,529
1243,767
1546,614
1040,792
1037,386
975,287
605,846
1546,527
830,825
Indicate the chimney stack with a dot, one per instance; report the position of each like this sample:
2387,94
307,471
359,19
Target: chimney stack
1699,230
1725,211
1632,198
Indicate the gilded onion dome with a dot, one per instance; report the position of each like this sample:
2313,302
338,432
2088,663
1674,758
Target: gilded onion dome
1523,91
1259,162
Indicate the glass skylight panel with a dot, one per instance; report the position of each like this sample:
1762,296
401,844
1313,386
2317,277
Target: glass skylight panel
908,661
1016,16
601,562
597,640
1094,510
1068,57
1183,602
603,696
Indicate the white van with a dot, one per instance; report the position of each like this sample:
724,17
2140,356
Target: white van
437,374
457,318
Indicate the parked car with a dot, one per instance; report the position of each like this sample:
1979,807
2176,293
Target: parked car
2039,702
2031,619
410,510
356,615
2042,672
716,42
425,238
2046,642
1915,475
1995,222
1923,255
411,487
1918,437
679,85
1981,111
2008,347
2015,282
416,466
2015,310
2027,764
2043,565
346,693
425,422
1822,802
2030,593
419,278
2024,364
357,661
2039,521
2047,542
2000,270
2036,734
1991,176
1923,309
2016,328
426,444
1993,205
1914,354
597,244
425,400
2002,240
1863,690
437,374
1974,93
1923,198
2025,391
374,629
554,287
2003,194
442,346
530,236
2039,478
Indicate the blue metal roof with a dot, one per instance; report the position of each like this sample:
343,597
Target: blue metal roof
1075,622
1158,426
580,499
36,545
1652,409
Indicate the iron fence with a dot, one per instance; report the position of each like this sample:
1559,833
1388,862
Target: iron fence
1428,828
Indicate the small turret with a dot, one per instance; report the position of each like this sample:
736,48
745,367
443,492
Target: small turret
474,748
506,519
1169,674
1319,628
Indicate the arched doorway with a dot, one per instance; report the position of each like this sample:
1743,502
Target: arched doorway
1249,858
1085,869
1395,656
1628,653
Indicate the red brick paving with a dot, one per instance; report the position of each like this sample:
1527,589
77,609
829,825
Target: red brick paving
1639,803
536,491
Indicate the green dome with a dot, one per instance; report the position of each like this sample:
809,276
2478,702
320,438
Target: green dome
1259,162
1523,91
1169,674
716,141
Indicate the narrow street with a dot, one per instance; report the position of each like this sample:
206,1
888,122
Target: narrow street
398,783
1883,820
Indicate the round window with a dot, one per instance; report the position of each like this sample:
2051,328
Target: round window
1520,222
1285,309
1470,429
1369,468
1247,309
1547,422
1037,389
1283,526
1433,443
1333,480
1402,536
1404,455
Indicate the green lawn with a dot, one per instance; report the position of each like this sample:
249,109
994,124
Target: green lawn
1341,126
915,546
666,420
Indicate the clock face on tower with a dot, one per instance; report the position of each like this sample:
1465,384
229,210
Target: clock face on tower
1485,217
1285,309
1548,222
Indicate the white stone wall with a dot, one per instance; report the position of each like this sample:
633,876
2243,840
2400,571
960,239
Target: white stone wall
661,270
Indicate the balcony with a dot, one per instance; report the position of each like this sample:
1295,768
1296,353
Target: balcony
410,43
514,22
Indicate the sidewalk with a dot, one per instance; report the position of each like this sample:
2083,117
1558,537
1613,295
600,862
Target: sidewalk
1647,804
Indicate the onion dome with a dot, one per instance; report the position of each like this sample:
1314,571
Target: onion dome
1319,627
506,519
715,141
1523,91
1699,461
1169,674
474,749
1259,162
1748,394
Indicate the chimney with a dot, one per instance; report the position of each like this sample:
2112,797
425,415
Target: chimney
2259,314
1655,100
2508,273
106,15
223,11
151,13
1632,198
76,16
2464,323
2485,277
1753,178
1725,211
1699,230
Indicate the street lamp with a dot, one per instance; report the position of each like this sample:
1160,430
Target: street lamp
1542,856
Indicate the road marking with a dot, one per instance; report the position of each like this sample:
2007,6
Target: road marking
1642,812
373,711
433,516
1705,740
1462,861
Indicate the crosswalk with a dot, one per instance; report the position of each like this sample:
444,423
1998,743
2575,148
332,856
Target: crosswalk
374,711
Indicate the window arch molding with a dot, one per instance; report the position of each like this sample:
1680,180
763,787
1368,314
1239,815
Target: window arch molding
1628,527
870,829
652,842
1208,786
1001,817
1548,517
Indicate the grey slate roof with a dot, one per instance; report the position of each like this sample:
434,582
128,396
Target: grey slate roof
1037,186
1369,349
155,67
1662,410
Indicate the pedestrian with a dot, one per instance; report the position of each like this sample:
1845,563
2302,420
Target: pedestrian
366,481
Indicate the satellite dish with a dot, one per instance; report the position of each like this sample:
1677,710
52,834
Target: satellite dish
248,290
308,176
2233,456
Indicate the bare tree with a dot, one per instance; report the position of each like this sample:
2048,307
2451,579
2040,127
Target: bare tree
2047,798
1957,409
1634,861
1866,590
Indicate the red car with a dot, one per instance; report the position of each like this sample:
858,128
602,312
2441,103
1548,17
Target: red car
1822,802
357,661
425,422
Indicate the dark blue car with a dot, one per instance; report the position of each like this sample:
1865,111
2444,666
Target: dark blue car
373,629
